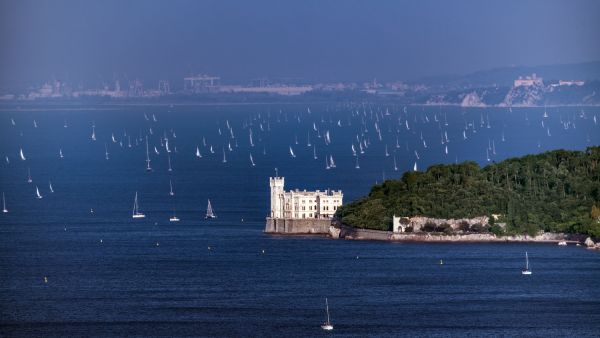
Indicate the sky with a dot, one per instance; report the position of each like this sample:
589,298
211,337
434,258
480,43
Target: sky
82,41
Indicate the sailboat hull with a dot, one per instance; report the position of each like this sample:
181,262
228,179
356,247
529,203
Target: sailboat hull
327,327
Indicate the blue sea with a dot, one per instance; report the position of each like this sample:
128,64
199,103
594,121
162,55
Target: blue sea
75,263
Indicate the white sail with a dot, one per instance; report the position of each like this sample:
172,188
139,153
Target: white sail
526,271
209,211
353,150
106,152
292,152
314,152
112,136
169,161
357,166
93,133
198,155
331,162
29,180
252,161
50,186
224,157
211,150
171,188
21,154
415,167
60,153
37,193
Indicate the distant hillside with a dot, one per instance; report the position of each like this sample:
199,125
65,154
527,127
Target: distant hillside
556,191
505,76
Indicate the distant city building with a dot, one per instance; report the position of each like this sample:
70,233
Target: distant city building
200,83
274,89
163,87
571,83
528,81
302,204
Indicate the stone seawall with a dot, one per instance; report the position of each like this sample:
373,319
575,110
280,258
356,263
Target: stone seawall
344,232
297,226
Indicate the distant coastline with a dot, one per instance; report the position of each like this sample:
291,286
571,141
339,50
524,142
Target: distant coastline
33,106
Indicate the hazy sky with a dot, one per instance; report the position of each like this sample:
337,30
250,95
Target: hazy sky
94,41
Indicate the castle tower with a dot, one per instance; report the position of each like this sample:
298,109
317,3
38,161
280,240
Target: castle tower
276,183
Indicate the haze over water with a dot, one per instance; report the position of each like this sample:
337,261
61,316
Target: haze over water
110,275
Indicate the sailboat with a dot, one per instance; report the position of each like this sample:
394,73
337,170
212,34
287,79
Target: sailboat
174,218
415,167
395,165
60,154
148,168
331,162
198,155
50,186
93,133
136,209
357,166
526,271
292,152
37,193
29,180
314,152
171,193
21,153
224,156
4,210
209,211
105,152
327,325
169,160
252,161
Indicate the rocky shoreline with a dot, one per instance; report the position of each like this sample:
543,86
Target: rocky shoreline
349,233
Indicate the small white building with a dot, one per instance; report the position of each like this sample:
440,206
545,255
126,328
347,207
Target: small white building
301,204
397,225
528,81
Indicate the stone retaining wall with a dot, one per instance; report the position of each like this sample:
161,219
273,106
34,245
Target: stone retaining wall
297,226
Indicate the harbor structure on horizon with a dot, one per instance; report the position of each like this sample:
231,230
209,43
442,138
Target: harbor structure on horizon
301,211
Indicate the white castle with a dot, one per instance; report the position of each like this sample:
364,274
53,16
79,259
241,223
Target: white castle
302,204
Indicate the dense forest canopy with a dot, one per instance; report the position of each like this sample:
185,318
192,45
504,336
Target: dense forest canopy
557,191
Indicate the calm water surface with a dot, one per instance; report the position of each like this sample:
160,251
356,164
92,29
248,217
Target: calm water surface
110,275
